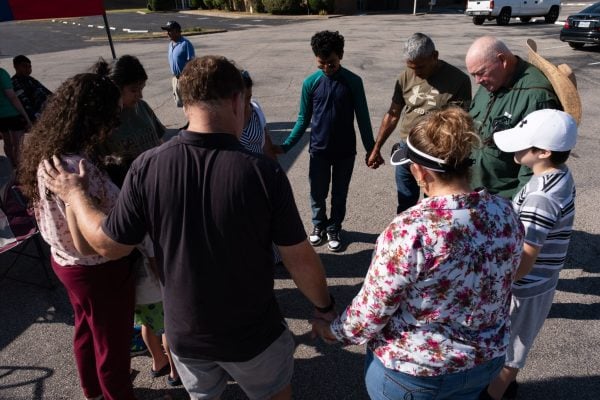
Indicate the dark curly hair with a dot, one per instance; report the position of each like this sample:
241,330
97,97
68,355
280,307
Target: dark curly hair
325,43
78,116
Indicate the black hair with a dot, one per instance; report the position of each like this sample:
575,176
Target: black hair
247,79
325,43
21,59
125,71
128,70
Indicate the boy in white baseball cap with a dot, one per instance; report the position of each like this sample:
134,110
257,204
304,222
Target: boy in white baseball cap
546,206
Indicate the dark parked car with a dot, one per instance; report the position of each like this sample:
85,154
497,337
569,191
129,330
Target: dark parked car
582,28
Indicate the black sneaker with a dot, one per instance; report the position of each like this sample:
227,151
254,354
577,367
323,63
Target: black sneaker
317,236
334,241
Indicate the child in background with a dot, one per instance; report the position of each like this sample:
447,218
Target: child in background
150,315
546,207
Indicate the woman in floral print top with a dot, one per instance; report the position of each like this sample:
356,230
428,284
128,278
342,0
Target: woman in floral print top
77,119
436,298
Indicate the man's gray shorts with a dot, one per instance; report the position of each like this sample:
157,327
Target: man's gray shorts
527,316
261,377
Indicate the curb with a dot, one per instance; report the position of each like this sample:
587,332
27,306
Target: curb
149,36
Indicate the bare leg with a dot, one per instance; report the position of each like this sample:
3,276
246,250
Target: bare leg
173,374
498,386
159,359
284,394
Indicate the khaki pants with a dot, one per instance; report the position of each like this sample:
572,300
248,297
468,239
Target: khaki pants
176,95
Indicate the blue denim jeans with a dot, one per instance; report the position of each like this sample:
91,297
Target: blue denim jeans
322,172
408,190
386,384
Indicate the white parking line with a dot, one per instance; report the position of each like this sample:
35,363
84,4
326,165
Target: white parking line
134,30
112,28
594,63
555,47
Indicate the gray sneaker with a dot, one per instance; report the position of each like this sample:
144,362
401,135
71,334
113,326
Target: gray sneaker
334,241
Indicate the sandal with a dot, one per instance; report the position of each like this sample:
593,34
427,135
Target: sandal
163,371
173,381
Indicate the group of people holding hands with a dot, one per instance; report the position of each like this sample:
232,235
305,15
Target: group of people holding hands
460,282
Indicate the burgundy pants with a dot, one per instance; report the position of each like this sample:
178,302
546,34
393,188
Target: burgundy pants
103,300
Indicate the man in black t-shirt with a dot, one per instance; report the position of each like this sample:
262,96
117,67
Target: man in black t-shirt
212,210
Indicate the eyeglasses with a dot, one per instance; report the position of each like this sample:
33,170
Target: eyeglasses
245,74
330,65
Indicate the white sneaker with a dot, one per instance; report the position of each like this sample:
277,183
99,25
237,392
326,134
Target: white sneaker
317,236
334,241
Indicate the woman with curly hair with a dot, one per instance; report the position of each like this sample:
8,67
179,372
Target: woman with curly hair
434,306
81,115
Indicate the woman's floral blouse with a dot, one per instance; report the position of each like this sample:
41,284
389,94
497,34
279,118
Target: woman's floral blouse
51,214
437,294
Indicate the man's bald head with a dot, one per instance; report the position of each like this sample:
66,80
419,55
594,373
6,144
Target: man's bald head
490,62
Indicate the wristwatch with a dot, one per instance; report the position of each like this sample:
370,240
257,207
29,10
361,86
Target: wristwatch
328,308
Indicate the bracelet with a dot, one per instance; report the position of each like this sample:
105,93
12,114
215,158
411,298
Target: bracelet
328,308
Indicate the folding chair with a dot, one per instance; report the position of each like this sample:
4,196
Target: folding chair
19,232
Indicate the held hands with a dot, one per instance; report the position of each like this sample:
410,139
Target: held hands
62,183
321,326
374,160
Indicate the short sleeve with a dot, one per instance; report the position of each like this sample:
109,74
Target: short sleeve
126,223
539,214
5,80
397,97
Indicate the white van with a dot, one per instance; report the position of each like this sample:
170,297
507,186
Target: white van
503,10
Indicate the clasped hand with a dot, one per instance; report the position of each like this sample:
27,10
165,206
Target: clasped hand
62,183
321,326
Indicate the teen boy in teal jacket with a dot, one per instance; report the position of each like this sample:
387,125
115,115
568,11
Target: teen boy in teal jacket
330,98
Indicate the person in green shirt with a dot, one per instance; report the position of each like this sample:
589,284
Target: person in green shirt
510,89
330,99
140,129
14,121
425,85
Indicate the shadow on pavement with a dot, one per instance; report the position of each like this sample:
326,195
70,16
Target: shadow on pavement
24,305
584,252
31,376
577,387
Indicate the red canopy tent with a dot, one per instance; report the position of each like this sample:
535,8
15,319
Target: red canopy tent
41,9
15,10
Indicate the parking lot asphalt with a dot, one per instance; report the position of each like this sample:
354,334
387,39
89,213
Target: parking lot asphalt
36,359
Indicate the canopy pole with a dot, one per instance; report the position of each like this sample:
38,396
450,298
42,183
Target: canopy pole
112,47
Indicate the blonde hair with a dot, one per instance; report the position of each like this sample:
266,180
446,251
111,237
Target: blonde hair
447,134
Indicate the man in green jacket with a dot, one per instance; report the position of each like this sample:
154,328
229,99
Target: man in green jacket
330,98
510,88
